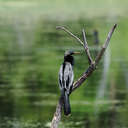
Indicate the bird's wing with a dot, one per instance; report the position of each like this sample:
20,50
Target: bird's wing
68,76
61,77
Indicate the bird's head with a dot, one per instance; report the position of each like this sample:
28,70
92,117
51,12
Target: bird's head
70,53
68,56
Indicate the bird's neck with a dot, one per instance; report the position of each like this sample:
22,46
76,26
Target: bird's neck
69,59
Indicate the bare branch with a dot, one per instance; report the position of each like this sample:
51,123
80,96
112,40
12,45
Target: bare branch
92,67
57,115
70,33
105,44
86,48
85,75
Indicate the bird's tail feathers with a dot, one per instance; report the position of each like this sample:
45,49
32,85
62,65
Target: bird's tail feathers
67,108
62,95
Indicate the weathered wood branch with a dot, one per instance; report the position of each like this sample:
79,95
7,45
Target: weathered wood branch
105,44
70,33
92,67
89,71
86,48
57,115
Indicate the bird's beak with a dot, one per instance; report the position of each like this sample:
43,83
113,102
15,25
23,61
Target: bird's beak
76,52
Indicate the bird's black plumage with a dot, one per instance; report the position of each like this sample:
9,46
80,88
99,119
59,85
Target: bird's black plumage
66,77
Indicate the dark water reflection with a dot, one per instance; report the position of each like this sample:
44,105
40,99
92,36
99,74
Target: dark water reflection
29,91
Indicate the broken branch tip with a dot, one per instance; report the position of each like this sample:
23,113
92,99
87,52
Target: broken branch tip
59,27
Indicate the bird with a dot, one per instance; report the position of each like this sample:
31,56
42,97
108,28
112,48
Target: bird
66,78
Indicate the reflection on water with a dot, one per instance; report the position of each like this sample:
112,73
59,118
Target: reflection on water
29,82
103,83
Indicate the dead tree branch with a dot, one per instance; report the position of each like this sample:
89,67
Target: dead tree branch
57,115
105,44
89,71
70,33
86,48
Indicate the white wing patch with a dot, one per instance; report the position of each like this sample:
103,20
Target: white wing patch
60,76
66,79
69,76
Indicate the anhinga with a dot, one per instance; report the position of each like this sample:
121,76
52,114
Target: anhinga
66,77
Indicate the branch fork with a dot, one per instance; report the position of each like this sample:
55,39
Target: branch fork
92,66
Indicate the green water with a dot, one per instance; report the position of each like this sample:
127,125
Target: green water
31,52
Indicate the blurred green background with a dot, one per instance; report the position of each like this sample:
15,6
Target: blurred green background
31,52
